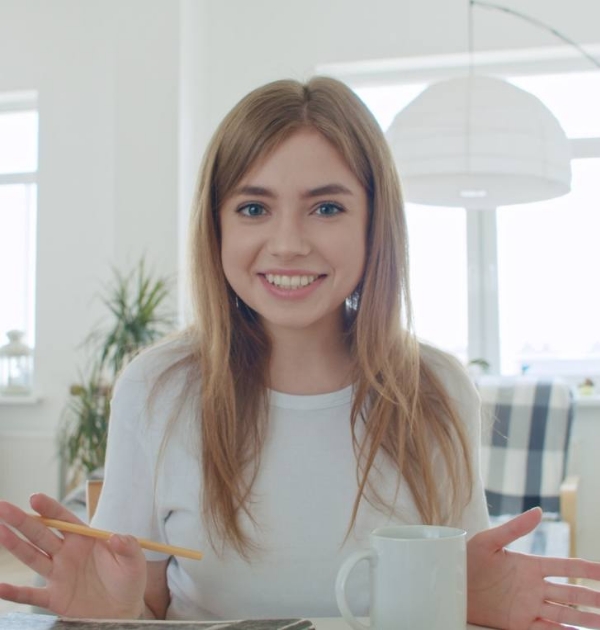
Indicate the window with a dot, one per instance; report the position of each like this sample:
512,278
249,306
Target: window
438,246
547,254
18,197
548,310
438,276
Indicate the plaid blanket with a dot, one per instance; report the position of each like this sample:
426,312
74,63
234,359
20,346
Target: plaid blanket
525,438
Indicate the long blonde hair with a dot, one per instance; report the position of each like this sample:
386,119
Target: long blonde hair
402,408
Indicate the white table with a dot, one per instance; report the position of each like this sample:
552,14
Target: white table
337,623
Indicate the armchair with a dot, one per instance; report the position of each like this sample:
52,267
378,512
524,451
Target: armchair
525,442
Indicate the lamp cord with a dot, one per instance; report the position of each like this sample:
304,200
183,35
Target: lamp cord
470,36
469,103
527,18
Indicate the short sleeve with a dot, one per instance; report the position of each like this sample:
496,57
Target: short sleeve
475,517
128,503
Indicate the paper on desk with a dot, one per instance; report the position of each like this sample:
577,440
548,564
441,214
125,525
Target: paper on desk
25,621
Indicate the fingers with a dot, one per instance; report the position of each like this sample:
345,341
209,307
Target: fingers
124,545
24,595
25,552
127,550
502,535
562,602
544,624
51,508
572,595
34,531
569,567
565,615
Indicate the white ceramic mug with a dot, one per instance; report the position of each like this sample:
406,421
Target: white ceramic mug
418,579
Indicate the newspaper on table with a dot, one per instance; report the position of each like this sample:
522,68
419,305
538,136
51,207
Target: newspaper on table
26,621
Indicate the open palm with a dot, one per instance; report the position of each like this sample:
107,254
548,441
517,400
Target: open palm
510,590
84,577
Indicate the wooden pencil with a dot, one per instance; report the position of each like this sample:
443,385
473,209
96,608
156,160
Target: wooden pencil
84,530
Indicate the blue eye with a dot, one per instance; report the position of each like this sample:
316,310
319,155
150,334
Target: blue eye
252,210
328,210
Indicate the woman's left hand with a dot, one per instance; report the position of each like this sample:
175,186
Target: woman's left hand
509,590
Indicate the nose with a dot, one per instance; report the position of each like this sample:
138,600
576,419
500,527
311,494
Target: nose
288,238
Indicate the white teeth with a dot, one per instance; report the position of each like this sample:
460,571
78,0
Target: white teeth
289,282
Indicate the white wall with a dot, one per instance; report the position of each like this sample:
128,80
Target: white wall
253,42
130,90
107,76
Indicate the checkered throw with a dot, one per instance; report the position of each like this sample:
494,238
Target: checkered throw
525,437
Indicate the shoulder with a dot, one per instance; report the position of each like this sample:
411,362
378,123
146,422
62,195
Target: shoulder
460,390
451,374
159,372
148,366
151,389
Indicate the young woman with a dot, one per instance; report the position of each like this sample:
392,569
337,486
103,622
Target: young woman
298,412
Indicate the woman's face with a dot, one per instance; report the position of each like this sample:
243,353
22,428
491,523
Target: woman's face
294,235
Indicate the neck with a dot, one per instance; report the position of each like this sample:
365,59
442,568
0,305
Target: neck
307,363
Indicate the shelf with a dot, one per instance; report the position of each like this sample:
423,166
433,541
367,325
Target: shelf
26,399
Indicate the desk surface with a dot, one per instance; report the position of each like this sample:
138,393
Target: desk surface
340,624
24,621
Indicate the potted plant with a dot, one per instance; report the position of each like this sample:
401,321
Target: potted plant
136,305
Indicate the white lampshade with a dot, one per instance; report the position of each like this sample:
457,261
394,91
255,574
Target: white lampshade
479,142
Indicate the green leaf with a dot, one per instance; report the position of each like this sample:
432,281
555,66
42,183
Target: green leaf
135,304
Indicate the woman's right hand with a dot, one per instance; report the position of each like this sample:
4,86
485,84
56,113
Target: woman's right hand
85,577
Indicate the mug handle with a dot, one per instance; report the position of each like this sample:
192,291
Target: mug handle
340,585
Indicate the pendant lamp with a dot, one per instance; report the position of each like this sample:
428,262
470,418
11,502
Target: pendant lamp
479,142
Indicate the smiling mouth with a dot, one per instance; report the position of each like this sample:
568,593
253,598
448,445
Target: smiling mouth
290,282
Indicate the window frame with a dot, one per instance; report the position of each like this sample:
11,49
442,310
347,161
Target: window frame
482,238
14,102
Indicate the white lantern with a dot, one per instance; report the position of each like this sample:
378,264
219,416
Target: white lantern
16,365
479,142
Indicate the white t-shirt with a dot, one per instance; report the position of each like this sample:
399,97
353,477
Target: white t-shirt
302,499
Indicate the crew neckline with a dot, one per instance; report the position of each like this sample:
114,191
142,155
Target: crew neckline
311,401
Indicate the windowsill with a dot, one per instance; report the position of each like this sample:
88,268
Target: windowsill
592,400
28,399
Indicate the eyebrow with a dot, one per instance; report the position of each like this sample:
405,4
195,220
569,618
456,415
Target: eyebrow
327,189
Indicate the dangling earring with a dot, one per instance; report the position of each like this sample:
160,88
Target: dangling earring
237,302
353,300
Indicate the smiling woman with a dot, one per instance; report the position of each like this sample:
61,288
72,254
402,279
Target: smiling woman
298,412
